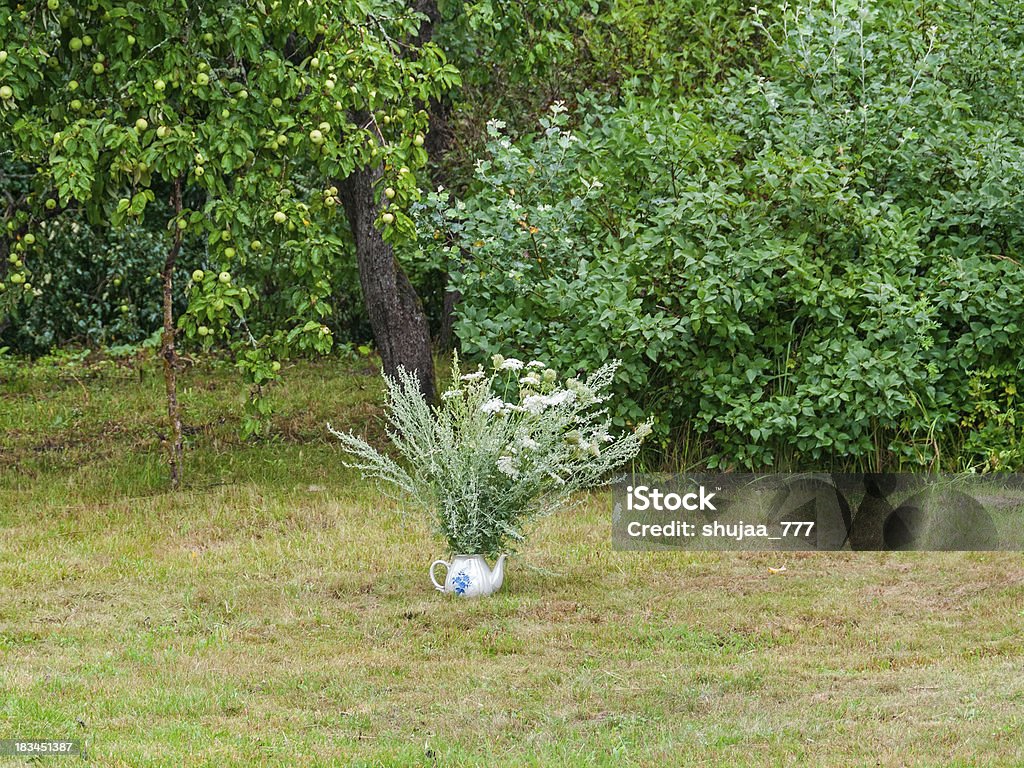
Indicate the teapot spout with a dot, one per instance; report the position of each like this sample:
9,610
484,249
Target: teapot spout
498,574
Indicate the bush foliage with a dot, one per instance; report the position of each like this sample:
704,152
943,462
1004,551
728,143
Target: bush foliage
813,260
799,228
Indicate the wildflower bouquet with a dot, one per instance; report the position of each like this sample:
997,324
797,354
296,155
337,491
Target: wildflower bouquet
505,446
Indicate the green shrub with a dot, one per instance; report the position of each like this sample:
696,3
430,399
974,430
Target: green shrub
812,266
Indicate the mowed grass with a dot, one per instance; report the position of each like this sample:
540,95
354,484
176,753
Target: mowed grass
277,611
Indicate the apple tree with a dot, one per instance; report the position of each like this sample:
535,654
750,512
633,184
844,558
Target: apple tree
253,127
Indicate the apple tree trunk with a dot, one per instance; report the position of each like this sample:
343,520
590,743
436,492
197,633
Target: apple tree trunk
396,314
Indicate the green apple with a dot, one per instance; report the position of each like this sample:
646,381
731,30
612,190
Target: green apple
72,85
75,44
276,103
418,140
98,68
314,63
50,204
162,132
199,171
208,38
224,277
182,224
141,124
389,193
160,85
86,40
198,275
280,217
53,5
75,104
229,253
6,92
30,239
256,245
316,136
3,56
202,79
202,330
388,218
117,282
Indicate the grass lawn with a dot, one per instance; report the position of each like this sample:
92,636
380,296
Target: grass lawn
278,612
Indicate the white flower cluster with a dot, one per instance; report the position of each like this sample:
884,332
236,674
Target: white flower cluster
508,363
535,404
507,466
494,405
529,443
540,403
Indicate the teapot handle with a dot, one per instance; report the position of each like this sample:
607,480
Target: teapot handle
433,565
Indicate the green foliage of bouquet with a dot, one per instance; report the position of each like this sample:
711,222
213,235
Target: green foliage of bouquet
504,447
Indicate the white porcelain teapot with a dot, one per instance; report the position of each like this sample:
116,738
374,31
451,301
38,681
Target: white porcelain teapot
469,576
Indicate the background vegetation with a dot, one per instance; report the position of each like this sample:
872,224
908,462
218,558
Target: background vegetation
799,227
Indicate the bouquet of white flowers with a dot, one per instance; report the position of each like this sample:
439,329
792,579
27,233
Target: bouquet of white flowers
503,447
